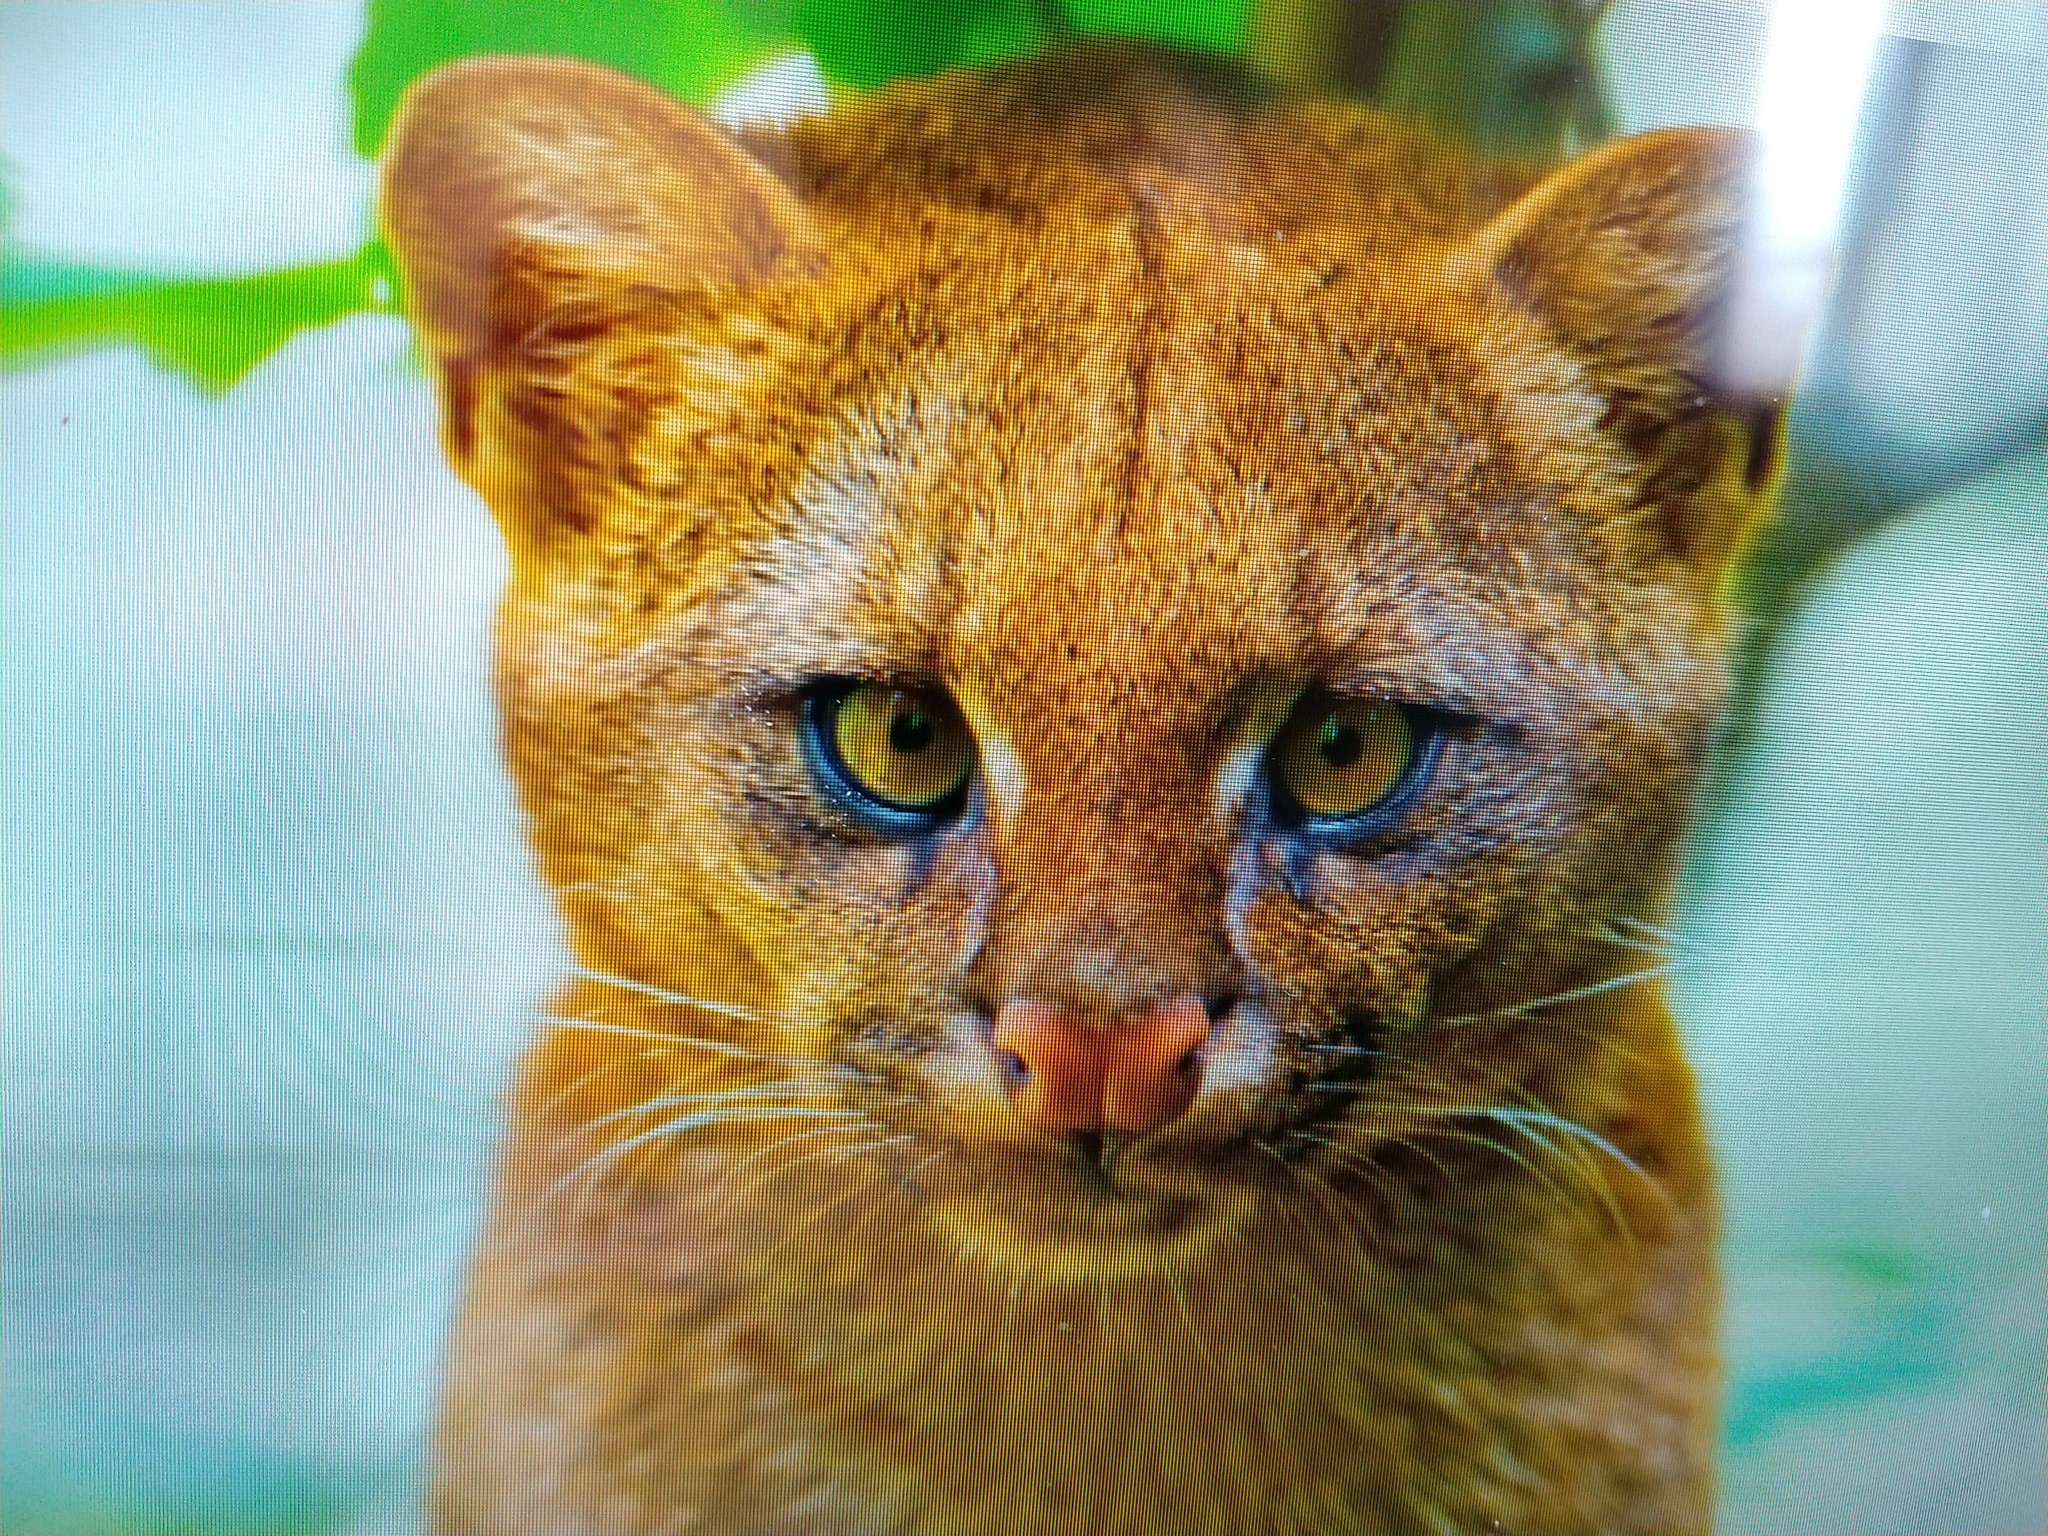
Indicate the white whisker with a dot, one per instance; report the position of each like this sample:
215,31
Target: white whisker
680,999
590,1167
757,1092
1575,1131
1527,1009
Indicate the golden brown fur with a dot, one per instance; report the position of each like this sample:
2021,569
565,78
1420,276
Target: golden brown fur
1123,406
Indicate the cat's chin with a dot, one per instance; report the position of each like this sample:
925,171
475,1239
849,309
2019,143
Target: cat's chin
1062,1228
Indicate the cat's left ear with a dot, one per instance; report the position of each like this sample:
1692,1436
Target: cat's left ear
536,205
1627,256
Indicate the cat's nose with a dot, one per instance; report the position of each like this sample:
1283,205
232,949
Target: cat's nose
1135,1075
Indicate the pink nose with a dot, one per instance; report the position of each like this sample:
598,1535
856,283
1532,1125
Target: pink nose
1137,1075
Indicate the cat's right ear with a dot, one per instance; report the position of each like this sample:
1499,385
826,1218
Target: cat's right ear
534,204
1628,257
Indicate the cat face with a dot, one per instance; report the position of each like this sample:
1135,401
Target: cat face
1145,671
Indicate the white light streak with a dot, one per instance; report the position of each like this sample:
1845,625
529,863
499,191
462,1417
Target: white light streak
1816,66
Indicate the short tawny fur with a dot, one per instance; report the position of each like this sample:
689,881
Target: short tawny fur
1125,405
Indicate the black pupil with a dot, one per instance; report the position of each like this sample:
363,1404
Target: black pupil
911,732
1339,743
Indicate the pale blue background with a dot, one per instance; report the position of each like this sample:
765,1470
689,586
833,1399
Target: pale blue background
270,932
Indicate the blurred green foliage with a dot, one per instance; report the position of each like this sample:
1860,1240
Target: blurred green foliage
1519,77
690,48
1514,75
211,330
693,48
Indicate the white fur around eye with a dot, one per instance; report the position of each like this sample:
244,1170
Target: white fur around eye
1002,771
1234,780
1265,711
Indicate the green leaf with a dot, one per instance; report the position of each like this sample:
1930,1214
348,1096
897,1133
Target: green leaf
212,330
1217,26
1512,77
1519,77
694,48
868,42
691,48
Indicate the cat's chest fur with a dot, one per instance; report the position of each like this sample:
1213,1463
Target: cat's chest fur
1107,672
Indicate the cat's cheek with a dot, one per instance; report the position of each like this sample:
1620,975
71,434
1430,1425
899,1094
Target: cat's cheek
1363,933
915,916
965,872
936,897
1330,960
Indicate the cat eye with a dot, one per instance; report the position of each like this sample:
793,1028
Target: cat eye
902,751
1344,760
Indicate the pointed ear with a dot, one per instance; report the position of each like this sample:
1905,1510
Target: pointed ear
1626,257
535,205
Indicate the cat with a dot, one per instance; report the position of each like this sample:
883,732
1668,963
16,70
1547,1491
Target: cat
1107,670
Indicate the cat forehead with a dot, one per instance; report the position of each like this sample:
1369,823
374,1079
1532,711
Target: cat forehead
1117,437
1088,382
1171,505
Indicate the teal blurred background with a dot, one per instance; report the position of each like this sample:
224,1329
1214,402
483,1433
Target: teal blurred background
271,936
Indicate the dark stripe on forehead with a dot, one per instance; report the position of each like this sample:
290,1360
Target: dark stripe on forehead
1148,239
